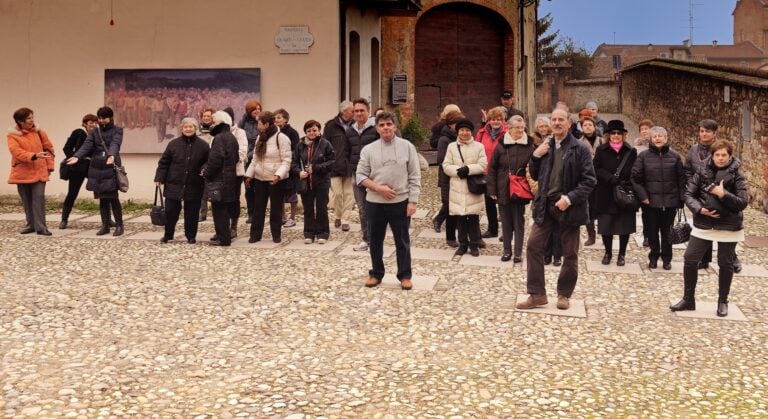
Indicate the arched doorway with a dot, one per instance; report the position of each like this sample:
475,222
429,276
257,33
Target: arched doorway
459,59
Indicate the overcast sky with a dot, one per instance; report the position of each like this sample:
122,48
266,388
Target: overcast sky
592,22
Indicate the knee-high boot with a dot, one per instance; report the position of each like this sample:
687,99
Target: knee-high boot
65,211
104,210
690,277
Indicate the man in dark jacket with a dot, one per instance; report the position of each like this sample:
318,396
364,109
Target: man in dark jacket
361,133
221,176
563,168
342,172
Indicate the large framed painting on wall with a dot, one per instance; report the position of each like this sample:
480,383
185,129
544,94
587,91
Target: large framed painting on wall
150,103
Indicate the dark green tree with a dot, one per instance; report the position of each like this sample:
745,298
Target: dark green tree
547,43
575,55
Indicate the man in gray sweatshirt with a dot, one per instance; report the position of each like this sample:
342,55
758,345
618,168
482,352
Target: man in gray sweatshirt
389,170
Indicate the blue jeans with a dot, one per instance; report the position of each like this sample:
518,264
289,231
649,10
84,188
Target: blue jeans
379,215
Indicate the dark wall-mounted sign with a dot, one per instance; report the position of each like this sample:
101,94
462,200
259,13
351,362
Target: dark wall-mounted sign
399,88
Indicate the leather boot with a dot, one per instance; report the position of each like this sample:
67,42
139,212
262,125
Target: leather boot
65,211
104,211
688,302
233,228
103,230
722,307
591,234
118,230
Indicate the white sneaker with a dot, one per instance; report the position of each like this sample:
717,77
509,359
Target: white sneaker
362,247
289,223
321,241
307,241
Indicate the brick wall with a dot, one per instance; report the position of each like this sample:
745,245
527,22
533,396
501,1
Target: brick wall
677,98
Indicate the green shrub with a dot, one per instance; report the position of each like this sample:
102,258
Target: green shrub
412,130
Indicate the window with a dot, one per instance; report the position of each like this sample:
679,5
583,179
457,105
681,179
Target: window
617,62
375,73
354,65
664,55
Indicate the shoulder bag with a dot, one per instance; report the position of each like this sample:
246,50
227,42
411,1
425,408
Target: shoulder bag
680,232
157,214
477,184
519,188
120,173
302,185
623,193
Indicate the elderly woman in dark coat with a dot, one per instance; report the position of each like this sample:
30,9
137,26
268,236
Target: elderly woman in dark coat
659,179
511,156
611,219
717,197
179,170
447,136
103,147
220,173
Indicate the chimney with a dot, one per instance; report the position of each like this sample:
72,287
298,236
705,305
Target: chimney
686,42
714,43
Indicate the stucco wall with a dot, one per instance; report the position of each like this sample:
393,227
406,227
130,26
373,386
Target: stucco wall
55,54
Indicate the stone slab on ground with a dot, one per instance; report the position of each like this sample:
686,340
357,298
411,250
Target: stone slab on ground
598,245
299,245
577,308
677,268
708,310
429,233
485,261
746,270
420,213
91,219
432,254
639,242
350,251
631,268
242,242
147,235
55,231
14,216
420,282
141,219
756,241
91,234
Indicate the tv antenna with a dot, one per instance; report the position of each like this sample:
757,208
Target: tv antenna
691,26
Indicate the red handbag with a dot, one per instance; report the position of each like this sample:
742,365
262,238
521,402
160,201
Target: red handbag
519,189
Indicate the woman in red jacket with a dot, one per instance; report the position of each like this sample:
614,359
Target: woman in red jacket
490,135
31,165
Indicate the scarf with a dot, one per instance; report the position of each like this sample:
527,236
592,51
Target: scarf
509,140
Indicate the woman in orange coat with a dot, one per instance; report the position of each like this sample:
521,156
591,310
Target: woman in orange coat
31,165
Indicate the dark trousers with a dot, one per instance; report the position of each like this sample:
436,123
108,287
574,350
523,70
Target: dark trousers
379,215
512,223
315,202
645,215
264,191
107,204
234,211
608,244
73,189
469,230
694,253
442,215
191,213
249,199
493,216
659,223
33,200
569,238
359,192
222,217
204,202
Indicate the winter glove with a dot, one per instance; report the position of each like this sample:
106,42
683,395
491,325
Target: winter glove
462,172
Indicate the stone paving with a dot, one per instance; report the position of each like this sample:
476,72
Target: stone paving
131,327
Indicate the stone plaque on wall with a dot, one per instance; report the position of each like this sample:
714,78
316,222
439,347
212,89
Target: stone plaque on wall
294,39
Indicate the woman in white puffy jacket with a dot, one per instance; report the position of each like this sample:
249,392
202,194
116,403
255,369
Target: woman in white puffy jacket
268,173
464,158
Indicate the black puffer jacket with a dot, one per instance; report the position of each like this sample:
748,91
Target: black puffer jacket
359,140
179,168
507,158
251,128
659,176
322,161
606,163
730,207
336,133
74,142
578,181
447,136
222,162
101,177
435,133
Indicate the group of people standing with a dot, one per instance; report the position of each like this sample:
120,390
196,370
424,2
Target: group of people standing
359,158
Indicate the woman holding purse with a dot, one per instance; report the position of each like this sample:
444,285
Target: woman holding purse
510,158
717,197
78,172
103,147
312,164
465,157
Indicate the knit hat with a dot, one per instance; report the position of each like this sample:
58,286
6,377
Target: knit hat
586,114
221,117
465,123
251,106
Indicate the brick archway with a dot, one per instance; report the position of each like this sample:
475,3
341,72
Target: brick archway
459,58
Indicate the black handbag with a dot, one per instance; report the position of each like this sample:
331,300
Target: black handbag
64,170
477,184
157,214
215,193
680,232
301,185
623,192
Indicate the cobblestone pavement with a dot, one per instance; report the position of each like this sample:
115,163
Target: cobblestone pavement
134,328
